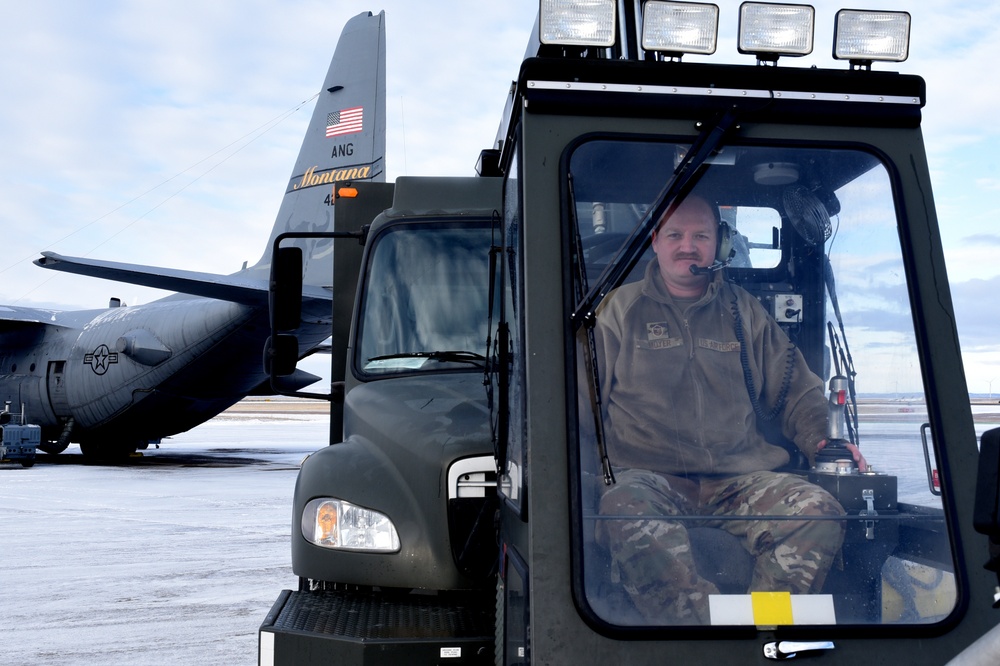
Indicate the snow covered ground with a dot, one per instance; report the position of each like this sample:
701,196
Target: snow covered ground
174,558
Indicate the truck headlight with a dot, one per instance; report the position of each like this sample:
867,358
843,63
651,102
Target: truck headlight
865,35
577,22
334,523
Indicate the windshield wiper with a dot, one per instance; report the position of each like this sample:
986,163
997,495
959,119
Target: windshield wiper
444,356
706,143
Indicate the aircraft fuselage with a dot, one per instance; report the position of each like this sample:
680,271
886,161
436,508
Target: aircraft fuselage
110,373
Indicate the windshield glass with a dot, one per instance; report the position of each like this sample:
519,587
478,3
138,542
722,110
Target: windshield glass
751,431
425,303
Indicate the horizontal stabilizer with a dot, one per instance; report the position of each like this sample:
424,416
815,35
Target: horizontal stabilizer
296,381
247,289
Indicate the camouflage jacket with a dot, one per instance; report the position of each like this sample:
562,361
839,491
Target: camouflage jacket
673,385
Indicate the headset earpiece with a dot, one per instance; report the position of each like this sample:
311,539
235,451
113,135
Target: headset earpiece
724,246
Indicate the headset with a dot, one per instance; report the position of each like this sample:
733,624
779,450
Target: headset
725,244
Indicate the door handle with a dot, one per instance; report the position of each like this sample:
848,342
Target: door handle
788,649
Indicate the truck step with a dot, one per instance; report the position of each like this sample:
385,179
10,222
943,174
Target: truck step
374,628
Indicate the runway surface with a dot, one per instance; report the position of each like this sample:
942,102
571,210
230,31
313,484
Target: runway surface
176,556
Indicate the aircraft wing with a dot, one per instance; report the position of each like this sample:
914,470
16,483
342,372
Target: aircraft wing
12,316
22,328
247,290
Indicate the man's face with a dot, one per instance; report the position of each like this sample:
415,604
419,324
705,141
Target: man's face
684,238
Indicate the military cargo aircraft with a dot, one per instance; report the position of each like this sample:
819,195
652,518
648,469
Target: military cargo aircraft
117,379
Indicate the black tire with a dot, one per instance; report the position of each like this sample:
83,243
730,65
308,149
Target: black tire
107,451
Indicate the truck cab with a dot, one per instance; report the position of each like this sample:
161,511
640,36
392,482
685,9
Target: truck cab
821,177
393,530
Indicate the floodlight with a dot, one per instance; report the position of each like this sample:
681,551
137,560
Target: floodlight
577,22
680,27
867,35
769,30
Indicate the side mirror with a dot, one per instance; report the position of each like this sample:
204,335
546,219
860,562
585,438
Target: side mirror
286,289
281,353
986,513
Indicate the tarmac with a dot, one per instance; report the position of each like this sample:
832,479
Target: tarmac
172,557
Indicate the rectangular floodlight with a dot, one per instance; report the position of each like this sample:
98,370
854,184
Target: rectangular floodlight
577,22
680,27
869,35
768,30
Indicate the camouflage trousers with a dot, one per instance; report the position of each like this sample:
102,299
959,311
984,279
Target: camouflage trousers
651,556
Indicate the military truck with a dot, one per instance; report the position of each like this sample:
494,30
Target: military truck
410,405
455,522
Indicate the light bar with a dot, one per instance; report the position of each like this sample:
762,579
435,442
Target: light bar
770,30
866,35
680,27
577,22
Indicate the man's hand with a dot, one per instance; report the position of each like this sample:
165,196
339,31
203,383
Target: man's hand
858,457
855,452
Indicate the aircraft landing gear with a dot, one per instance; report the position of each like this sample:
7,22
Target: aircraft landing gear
115,451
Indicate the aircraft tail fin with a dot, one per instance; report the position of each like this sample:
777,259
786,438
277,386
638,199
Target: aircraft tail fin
345,142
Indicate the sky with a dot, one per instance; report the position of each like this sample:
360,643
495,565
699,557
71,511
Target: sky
164,133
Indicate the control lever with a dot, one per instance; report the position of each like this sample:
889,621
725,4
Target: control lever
835,457
787,649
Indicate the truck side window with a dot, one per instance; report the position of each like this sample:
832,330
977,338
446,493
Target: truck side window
725,386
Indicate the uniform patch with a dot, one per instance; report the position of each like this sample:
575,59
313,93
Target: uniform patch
664,343
716,345
656,330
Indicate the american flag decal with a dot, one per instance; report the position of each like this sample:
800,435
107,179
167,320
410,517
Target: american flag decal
345,121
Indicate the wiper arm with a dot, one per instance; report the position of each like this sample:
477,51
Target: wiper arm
443,356
707,142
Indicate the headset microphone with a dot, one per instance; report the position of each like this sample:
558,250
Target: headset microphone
724,250
705,270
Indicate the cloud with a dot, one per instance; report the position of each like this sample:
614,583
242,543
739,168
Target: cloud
976,313
982,239
992,184
134,131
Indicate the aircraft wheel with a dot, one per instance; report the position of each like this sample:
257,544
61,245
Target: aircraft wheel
28,463
107,451
52,448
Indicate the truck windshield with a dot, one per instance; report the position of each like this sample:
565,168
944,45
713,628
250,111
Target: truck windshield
767,320
424,307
